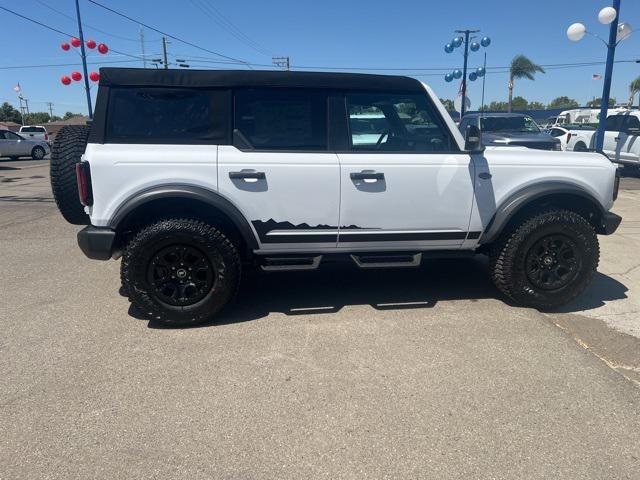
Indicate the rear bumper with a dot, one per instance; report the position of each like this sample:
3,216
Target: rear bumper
610,222
96,242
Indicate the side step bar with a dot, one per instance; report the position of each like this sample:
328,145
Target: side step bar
280,264
387,260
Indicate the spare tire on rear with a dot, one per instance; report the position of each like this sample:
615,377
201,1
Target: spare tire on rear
68,147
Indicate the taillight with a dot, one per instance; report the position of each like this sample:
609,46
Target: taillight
616,185
568,136
46,137
83,177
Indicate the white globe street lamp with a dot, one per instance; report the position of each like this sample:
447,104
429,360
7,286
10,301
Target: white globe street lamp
617,33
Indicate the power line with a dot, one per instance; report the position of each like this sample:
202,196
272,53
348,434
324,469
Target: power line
48,27
178,39
91,27
18,67
217,16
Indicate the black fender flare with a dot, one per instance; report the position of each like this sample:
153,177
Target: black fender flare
510,206
189,192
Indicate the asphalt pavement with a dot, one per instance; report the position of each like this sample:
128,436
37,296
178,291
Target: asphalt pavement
339,373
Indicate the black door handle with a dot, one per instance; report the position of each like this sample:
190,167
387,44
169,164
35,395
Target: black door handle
367,175
247,174
617,138
484,175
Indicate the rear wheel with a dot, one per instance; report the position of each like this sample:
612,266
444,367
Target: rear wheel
580,147
547,260
180,272
68,147
38,153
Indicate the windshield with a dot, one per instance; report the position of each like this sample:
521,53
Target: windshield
509,124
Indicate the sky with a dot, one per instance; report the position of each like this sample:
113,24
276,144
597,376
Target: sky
397,37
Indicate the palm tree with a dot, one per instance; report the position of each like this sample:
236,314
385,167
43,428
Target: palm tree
521,67
634,87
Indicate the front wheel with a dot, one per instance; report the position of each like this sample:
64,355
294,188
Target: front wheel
180,272
546,261
38,153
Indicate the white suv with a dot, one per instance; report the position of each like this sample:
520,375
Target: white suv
189,175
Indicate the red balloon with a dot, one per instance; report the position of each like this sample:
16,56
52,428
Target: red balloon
102,48
94,76
77,76
65,46
75,42
91,44
65,80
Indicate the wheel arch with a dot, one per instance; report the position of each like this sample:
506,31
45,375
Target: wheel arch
539,196
186,201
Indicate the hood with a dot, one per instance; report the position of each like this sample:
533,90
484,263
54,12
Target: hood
532,140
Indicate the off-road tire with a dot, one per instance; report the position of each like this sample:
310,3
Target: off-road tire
68,147
38,153
509,256
138,277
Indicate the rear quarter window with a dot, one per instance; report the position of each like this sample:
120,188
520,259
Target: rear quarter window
164,115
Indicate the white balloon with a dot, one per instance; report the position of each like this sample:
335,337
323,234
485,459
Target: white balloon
624,30
607,15
576,31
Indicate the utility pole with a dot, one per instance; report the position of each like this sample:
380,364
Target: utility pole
144,57
26,103
464,68
50,105
484,78
282,62
21,110
84,61
164,51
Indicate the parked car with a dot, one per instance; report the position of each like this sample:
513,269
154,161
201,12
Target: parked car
34,132
189,175
15,146
621,139
510,129
562,134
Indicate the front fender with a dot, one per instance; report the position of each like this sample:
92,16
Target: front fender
516,201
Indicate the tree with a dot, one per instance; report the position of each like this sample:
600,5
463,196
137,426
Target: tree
634,87
536,106
448,104
563,102
69,115
519,103
9,114
496,107
521,67
37,118
596,103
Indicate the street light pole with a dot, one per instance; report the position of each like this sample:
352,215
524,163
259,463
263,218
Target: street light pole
84,61
608,73
464,73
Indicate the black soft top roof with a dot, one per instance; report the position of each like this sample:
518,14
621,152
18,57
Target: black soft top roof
142,77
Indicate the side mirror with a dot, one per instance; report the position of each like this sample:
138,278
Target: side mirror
473,140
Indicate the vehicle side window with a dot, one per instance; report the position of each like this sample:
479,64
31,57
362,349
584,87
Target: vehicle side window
614,123
160,115
631,122
11,136
398,122
282,119
556,132
2,137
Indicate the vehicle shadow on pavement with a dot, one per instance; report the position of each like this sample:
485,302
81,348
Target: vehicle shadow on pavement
602,288
332,287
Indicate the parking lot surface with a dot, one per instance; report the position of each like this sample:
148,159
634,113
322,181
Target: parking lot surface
339,373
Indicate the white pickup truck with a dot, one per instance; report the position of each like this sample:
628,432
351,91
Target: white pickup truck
621,139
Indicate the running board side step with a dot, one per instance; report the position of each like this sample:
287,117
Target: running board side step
387,260
281,264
